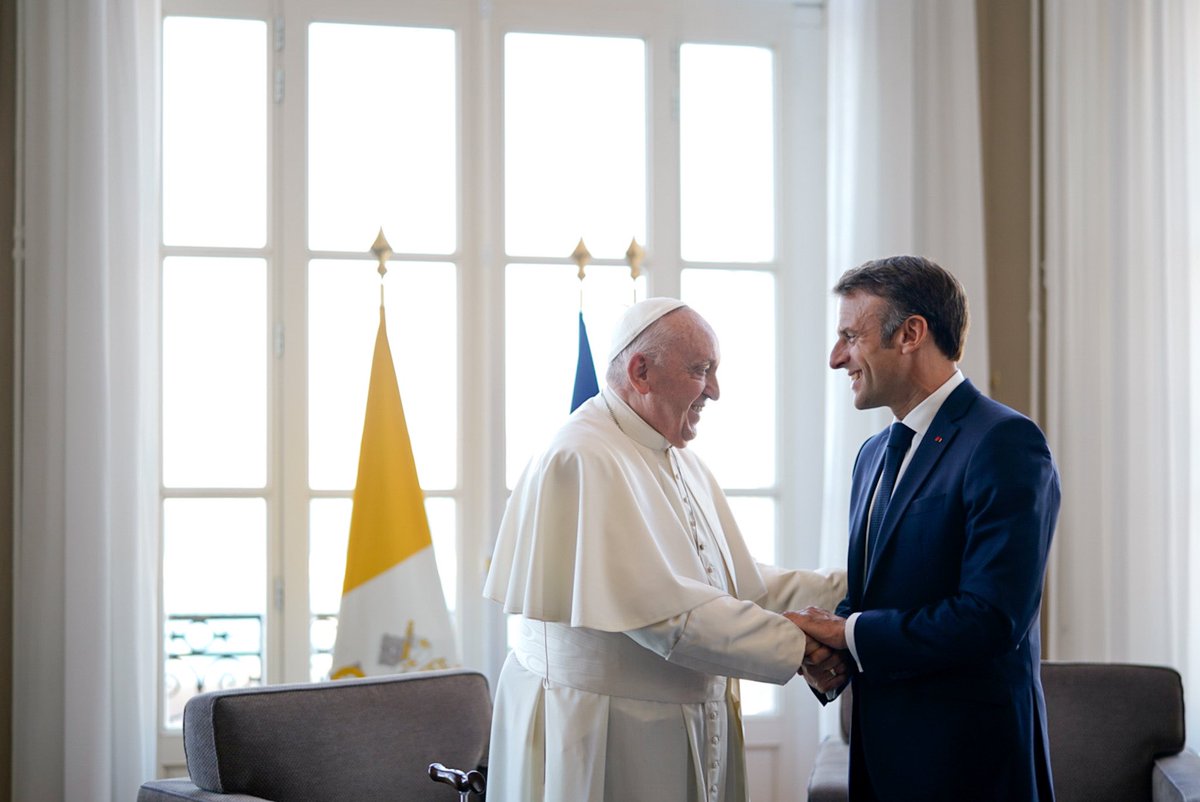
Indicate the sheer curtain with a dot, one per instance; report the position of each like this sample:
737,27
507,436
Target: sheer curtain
1122,250
85,561
905,176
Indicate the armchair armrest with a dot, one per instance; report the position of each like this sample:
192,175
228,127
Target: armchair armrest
830,778
1177,778
175,790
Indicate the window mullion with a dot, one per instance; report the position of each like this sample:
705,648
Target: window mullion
663,262
290,642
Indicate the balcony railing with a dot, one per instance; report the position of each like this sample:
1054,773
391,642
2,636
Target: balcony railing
206,652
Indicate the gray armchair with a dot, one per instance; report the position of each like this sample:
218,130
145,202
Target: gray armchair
363,739
1116,733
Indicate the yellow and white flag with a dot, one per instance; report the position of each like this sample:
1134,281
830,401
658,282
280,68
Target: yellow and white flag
393,616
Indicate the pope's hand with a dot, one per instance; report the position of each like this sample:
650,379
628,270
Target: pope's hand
827,661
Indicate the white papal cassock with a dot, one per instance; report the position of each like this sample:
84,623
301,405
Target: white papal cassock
639,601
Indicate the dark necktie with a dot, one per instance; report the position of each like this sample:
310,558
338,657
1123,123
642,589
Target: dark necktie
899,439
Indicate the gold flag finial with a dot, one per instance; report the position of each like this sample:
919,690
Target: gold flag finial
382,252
581,256
634,256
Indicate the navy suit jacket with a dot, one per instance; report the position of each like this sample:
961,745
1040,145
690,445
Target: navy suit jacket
949,702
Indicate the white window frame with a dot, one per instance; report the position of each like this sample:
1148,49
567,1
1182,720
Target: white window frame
795,32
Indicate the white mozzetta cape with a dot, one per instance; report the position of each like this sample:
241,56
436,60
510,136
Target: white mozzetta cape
594,533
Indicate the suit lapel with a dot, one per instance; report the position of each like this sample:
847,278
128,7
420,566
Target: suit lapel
936,441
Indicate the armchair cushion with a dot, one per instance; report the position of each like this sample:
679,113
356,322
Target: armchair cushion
363,739
1107,724
1116,733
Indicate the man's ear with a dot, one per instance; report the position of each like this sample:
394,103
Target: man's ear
638,370
913,333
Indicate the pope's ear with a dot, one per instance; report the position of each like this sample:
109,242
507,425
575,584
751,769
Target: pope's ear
638,370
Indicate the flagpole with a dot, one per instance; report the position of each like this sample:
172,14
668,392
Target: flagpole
581,256
586,385
383,252
634,257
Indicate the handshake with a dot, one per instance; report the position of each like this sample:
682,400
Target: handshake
827,660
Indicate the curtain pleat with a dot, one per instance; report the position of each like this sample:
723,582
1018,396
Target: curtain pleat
1122,222
85,595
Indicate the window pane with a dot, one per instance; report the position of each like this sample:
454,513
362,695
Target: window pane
214,596
422,326
755,517
727,153
541,344
737,435
214,134
575,144
214,372
756,520
443,528
329,534
381,137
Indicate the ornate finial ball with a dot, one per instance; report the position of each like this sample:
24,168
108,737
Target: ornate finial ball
581,256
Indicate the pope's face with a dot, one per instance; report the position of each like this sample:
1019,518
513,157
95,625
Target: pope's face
874,367
684,379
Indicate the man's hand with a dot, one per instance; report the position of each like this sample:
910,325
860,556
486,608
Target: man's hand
827,627
826,663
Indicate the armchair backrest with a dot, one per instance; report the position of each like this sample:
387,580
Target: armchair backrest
363,739
1107,723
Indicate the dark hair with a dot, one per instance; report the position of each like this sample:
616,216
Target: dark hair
913,285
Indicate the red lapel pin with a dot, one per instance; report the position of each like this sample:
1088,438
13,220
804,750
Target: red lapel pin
937,438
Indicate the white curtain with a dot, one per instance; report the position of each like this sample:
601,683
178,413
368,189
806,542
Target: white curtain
905,177
85,554
1122,222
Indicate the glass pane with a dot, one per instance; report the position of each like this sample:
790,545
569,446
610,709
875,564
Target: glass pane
214,135
443,528
422,326
329,534
727,153
756,520
214,372
382,137
541,318
737,435
575,144
214,596
760,698
755,517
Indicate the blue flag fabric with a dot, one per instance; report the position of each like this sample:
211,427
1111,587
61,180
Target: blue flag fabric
585,370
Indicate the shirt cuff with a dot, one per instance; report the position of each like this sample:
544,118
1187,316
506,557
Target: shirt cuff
850,639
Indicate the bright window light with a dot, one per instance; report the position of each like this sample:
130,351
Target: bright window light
574,144
727,153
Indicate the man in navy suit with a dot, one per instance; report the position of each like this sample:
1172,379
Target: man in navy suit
939,630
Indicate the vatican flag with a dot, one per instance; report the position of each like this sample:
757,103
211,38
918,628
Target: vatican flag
393,616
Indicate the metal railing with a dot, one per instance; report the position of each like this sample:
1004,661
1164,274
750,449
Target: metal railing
215,651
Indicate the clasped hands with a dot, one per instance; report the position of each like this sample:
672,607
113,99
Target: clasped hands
827,660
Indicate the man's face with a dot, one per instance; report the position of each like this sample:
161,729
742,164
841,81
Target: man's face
684,381
874,367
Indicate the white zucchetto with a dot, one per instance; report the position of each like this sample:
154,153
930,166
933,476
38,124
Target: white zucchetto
637,318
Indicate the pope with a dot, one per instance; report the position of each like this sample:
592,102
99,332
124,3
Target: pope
640,605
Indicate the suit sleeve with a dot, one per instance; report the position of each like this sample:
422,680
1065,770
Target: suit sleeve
1010,503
